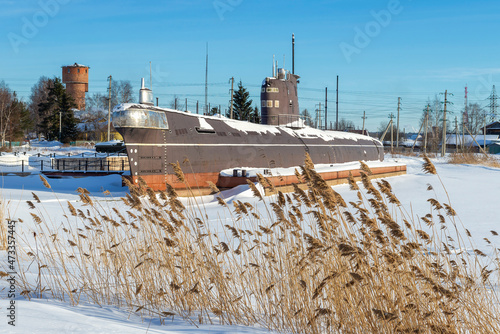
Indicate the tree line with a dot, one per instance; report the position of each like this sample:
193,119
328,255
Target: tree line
50,112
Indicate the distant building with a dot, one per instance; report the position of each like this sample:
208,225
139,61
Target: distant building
493,128
76,78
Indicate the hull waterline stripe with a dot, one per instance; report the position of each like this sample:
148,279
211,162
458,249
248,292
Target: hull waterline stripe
246,145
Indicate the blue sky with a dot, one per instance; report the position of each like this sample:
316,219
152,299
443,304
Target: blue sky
381,50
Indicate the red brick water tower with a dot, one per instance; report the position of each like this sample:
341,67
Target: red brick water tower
76,78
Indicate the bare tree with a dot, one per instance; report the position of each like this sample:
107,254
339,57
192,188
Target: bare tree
475,119
125,92
121,92
95,117
346,125
434,122
5,109
14,115
175,103
387,138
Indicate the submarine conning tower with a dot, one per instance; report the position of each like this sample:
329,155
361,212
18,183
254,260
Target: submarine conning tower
279,101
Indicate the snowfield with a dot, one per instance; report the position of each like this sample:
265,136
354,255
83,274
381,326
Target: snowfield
473,192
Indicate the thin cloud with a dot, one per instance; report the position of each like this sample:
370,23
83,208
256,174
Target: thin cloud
460,73
11,8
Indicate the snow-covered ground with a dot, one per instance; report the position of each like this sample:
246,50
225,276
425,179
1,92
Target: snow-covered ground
472,191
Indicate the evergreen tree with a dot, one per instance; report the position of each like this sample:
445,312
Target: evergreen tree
39,94
26,122
255,116
213,111
307,118
58,110
242,105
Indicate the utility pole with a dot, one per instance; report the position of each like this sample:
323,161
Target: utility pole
337,106
426,127
391,116
326,108
318,117
443,144
232,92
397,126
465,117
364,117
484,134
109,108
206,84
456,134
60,125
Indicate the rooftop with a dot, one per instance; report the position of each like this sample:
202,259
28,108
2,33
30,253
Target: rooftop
76,65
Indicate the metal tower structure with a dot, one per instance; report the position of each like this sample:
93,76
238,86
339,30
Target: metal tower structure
493,98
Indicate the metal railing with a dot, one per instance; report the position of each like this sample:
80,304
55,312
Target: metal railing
104,162
292,121
89,165
69,155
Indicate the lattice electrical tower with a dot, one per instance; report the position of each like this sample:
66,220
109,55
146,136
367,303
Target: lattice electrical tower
493,98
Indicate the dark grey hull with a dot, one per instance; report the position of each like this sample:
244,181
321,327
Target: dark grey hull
218,144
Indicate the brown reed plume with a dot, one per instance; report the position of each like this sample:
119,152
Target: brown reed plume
428,166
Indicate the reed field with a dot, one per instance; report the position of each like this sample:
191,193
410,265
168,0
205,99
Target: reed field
302,262
474,159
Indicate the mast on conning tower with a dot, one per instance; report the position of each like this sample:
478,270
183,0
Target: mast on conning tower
279,101
293,53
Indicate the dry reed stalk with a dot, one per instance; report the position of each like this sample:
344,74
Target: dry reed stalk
474,159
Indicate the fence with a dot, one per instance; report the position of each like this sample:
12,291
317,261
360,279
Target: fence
90,164
55,155
21,162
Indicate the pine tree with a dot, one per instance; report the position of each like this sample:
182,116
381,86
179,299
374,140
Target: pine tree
39,94
213,111
242,105
58,110
255,116
307,118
